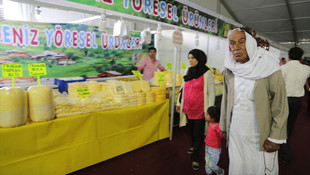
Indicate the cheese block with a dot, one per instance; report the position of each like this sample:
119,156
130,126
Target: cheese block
136,86
41,103
145,86
13,107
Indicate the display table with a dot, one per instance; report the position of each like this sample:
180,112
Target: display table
64,145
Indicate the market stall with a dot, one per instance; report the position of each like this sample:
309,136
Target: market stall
64,145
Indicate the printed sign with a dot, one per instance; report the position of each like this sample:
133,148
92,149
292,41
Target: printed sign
183,66
83,92
169,66
161,77
36,69
12,70
137,73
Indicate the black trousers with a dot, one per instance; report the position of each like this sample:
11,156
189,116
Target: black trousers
294,104
197,128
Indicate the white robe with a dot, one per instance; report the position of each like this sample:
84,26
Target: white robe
245,157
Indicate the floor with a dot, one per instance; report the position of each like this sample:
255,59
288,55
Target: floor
169,157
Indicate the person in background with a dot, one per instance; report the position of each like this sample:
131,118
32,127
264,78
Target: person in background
150,65
254,106
295,76
213,142
282,61
196,95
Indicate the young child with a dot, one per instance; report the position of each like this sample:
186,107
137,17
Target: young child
213,142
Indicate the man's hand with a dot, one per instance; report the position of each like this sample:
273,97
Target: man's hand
270,146
177,108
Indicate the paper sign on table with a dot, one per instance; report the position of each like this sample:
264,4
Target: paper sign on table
137,73
83,92
161,79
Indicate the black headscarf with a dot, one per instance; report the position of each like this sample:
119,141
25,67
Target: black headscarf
200,68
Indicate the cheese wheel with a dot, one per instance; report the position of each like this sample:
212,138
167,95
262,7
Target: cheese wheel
13,107
41,103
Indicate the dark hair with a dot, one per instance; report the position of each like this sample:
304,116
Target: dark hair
214,112
295,53
152,48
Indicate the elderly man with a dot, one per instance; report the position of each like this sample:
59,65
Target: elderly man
254,106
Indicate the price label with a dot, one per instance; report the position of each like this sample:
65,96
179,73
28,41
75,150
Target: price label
83,92
137,73
12,70
169,66
183,66
36,69
161,77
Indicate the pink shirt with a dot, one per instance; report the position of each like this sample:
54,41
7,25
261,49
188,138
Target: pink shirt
193,104
149,68
214,136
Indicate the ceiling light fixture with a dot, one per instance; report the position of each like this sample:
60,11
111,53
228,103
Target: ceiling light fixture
38,12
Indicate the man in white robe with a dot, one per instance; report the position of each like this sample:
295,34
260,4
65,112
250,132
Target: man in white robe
254,107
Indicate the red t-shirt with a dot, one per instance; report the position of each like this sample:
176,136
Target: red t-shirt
214,136
193,104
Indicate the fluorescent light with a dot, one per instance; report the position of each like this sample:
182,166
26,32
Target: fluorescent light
86,19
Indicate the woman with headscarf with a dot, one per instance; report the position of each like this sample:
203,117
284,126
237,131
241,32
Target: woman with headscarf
196,96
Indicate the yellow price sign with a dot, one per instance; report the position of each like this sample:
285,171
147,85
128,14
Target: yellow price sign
183,65
36,69
83,92
161,77
169,66
12,70
137,73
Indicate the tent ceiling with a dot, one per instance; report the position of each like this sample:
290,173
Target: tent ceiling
285,22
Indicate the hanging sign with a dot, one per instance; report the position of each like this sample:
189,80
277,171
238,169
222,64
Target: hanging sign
177,38
166,11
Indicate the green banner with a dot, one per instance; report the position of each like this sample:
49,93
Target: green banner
171,12
69,50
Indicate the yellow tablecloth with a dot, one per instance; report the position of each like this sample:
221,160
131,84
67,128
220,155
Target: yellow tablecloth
68,144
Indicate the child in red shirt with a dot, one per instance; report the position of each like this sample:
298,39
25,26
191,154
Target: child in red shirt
213,142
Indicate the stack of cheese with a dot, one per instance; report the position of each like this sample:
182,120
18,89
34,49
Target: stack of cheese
150,97
179,79
155,82
133,99
127,88
67,107
94,88
168,79
13,107
160,93
136,86
121,99
41,103
145,86
118,87
73,87
141,98
107,91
